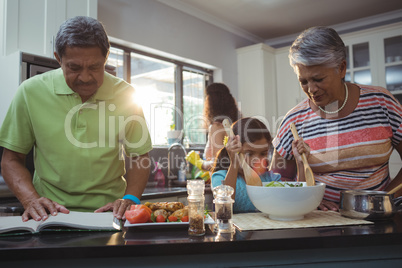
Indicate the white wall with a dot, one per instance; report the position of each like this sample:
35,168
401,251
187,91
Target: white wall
10,72
152,24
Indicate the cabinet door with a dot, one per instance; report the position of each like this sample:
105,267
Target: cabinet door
358,64
361,59
31,26
374,57
393,65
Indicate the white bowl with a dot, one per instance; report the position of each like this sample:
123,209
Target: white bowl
286,203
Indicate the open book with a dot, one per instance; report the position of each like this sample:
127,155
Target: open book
73,221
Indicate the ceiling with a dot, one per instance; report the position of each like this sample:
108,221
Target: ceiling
264,20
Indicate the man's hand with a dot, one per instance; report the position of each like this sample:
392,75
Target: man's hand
118,207
38,209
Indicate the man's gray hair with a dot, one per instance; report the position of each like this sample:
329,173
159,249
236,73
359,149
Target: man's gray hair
81,31
317,46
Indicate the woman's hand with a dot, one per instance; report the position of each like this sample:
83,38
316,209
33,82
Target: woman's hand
38,209
328,205
299,147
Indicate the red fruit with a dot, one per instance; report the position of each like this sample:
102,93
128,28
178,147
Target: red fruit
160,218
137,216
134,207
172,218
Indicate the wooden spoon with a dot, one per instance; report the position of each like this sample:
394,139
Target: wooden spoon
251,177
397,188
308,173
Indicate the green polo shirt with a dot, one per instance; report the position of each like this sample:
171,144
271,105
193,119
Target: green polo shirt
78,147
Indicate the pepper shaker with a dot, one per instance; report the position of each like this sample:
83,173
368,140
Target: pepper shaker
223,208
196,199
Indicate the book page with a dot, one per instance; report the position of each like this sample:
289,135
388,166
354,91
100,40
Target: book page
82,220
15,223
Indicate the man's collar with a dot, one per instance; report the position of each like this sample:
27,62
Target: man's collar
60,85
105,92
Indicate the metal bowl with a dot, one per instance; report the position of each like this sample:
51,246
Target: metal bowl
367,205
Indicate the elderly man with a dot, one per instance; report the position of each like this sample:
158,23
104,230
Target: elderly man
82,123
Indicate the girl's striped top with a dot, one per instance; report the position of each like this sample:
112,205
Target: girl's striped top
350,152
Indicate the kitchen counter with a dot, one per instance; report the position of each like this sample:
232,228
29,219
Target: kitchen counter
354,245
12,205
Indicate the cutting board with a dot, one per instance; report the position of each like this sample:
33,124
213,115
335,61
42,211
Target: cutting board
317,218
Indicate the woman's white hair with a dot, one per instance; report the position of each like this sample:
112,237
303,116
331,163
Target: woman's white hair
317,46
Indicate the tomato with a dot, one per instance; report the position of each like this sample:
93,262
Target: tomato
184,219
160,218
172,218
133,207
137,216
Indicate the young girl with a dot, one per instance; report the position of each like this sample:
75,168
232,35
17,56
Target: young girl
253,140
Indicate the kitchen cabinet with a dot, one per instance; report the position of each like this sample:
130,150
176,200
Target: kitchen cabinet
31,26
256,74
375,57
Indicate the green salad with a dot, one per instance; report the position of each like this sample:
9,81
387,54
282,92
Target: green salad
283,184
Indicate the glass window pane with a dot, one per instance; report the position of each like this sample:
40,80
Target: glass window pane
193,105
361,57
154,82
393,49
362,77
116,58
393,77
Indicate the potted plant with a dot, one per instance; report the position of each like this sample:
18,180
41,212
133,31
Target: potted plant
174,136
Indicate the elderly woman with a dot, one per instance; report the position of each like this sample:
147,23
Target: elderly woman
351,129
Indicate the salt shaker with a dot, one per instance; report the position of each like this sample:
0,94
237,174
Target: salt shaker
223,208
196,199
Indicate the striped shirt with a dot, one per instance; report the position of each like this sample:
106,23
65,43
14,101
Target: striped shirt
350,152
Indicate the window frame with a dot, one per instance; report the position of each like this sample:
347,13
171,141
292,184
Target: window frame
178,87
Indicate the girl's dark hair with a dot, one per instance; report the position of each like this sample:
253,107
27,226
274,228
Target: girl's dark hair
250,130
220,104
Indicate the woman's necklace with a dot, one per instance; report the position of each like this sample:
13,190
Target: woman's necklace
343,105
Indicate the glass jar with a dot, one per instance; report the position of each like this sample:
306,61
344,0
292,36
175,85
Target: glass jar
223,208
196,199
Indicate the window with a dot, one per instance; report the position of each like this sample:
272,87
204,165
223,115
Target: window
171,93
193,105
154,81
